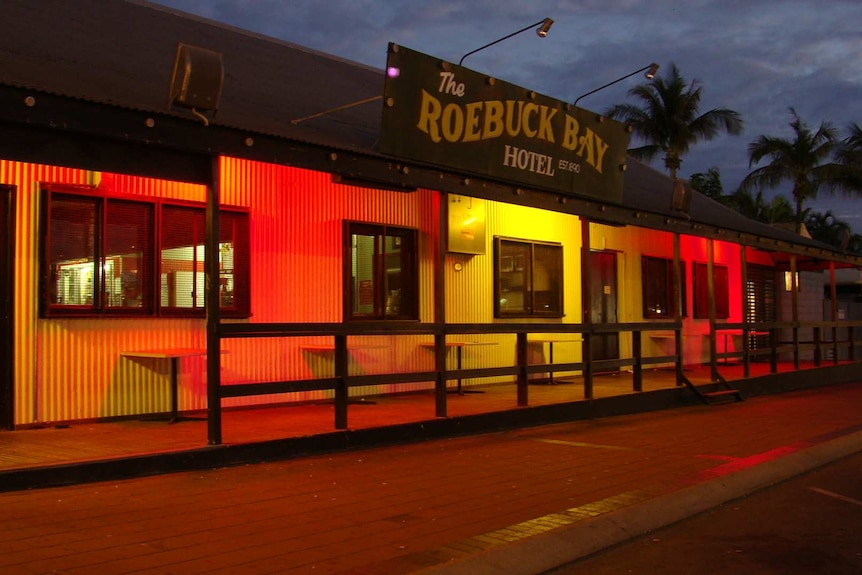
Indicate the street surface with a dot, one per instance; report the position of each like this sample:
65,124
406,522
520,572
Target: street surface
810,524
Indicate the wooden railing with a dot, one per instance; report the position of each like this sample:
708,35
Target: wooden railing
521,370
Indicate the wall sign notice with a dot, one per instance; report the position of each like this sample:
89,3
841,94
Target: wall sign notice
443,114
366,292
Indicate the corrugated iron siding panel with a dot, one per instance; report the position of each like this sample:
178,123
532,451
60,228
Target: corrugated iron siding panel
26,178
469,292
296,249
71,368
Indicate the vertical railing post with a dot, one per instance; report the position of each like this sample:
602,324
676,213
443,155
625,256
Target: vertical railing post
834,297
794,304
586,307
747,315
587,353
818,354
773,354
637,368
341,392
710,282
678,348
521,352
212,305
440,408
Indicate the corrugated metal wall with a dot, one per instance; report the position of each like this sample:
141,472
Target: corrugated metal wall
25,178
296,248
470,291
69,369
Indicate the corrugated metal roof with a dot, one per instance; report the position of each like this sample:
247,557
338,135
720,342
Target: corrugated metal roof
651,191
121,53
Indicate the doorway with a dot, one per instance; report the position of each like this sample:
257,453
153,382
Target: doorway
603,307
7,257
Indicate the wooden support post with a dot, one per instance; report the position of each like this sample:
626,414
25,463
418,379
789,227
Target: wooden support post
773,355
710,282
834,296
586,302
213,303
522,368
440,406
818,354
794,298
747,313
341,392
637,369
679,350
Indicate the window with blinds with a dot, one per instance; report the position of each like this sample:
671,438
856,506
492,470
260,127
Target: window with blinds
101,257
760,300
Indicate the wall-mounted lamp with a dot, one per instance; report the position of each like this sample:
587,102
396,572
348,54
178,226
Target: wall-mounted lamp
542,31
649,75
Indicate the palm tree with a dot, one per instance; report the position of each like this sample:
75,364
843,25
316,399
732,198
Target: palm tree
708,184
804,161
849,157
826,228
668,120
778,211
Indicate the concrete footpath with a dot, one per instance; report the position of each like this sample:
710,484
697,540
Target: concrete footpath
522,501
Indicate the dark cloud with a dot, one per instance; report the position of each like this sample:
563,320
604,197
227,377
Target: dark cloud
758,57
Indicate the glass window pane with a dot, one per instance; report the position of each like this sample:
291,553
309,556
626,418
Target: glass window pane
528,278
72,250
363,276
233,261
514,264
182,258
100,257
657,296
547,279
383,278
128,255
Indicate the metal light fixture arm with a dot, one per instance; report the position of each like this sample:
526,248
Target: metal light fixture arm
650,74
542,32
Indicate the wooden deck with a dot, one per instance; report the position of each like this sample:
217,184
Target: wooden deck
76,442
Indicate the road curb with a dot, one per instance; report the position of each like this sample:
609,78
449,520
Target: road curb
546,551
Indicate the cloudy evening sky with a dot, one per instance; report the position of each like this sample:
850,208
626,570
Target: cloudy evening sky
758,57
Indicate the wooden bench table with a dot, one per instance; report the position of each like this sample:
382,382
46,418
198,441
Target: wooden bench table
173,354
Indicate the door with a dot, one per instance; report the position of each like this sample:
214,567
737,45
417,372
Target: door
603,308
7,257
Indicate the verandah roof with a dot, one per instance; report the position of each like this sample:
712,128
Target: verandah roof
119,55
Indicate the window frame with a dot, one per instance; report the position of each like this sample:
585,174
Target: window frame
150,282
668,278
502,267
700,287
242,284
408,296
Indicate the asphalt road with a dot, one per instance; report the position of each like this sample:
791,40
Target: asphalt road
810,524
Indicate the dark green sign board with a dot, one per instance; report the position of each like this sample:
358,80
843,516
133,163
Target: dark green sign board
443,114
